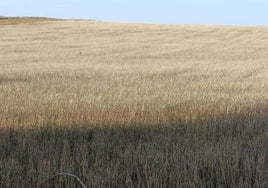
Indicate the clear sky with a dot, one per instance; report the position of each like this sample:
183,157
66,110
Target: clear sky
220,12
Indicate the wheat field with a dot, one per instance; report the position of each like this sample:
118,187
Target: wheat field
78,72
133,105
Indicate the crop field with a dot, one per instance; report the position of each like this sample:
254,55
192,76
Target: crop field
133,105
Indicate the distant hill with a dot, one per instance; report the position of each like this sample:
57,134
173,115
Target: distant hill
19,20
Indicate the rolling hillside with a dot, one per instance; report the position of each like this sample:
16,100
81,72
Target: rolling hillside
132,105
112,73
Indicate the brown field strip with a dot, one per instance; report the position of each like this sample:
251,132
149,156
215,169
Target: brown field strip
22,20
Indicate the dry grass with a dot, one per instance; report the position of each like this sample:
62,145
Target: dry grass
163,105
75,72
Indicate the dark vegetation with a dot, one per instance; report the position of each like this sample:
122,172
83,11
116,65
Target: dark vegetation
220,152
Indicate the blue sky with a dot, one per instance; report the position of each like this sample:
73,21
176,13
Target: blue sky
220,12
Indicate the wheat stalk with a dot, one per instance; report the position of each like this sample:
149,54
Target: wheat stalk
70,175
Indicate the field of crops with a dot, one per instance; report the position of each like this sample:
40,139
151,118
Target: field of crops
133,105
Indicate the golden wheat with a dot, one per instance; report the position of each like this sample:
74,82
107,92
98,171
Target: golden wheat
204,88
97,73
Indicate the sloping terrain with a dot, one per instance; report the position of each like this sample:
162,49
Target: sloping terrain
81,72
133,105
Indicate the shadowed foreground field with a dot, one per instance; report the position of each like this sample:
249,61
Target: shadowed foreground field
133,105
227,152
